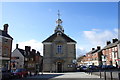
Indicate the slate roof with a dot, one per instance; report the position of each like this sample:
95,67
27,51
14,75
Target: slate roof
23,53
111,45
93,51
3,33
52,37
99,50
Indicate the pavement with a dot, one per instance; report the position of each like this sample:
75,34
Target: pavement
109,74
63,76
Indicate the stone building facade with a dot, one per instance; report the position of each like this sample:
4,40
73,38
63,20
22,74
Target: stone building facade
59,51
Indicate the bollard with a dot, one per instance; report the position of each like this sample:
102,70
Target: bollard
119,76
30,73
111,75
91,72
104,75
100,74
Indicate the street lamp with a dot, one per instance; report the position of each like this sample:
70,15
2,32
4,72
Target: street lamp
74,61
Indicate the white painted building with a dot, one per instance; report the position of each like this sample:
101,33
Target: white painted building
17,58
118,54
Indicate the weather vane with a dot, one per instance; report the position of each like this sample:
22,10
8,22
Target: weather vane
58,14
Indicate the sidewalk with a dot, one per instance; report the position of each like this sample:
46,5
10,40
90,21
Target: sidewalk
65,75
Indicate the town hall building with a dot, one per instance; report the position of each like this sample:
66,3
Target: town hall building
59,51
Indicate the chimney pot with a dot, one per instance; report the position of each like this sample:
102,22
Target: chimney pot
108,42
93,48
6,27
114,40
33,51
27,48
16,46
98,47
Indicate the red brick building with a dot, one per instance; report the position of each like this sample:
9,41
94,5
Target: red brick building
110,53
92,58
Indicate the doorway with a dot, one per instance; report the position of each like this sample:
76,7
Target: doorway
59,67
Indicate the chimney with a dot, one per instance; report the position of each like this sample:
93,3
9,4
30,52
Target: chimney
98,47
108,42
27,48
93,48
16,46
6,27
33,51
38,52
114,40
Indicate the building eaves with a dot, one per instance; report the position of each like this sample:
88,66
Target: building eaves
4,34
52,37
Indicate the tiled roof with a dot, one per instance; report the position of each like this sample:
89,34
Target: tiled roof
3,33
52,37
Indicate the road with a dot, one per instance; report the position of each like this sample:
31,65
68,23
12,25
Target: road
63,76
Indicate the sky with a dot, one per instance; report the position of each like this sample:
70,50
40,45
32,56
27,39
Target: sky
91,24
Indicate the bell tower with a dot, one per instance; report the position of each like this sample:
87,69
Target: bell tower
59,24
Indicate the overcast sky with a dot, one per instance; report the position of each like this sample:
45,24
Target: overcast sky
89,23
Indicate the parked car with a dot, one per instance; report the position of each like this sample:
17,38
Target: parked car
92,67
19,73
6,74
104,67
110,67
83,68
99,66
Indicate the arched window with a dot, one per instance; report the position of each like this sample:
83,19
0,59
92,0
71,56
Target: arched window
59,48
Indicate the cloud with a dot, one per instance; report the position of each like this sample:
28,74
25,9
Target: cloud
80,51
116,30
99,37
33,43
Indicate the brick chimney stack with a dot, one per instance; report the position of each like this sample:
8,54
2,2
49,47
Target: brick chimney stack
114,40
108,42
93,48
38,52
27,48
16,46
33,51
6,27
98,47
